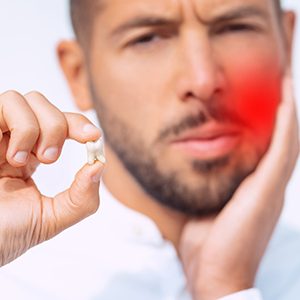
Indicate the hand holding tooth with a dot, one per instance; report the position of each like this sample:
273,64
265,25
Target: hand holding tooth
31,128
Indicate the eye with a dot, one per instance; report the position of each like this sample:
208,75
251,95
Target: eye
145,39
237,28
153,38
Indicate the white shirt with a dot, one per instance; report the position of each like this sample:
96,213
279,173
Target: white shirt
119,253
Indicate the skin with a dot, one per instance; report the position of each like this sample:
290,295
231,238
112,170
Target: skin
191,69
255,209
36,136
193,63
166,72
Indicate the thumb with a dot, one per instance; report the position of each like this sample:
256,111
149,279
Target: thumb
76,203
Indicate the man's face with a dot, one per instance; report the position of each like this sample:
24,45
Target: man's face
186,92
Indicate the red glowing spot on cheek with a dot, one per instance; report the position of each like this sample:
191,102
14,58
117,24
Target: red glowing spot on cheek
256,100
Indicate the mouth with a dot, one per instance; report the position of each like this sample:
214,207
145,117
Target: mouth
208,142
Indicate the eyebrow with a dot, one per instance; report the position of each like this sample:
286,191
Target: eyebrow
144,21
156,21
239,13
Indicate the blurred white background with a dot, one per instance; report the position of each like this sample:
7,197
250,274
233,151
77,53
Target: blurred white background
29,32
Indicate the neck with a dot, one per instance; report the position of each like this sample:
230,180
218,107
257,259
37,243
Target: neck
126,190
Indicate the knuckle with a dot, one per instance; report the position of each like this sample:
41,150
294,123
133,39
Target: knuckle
29,130
11,94
58,127
34,94
78,117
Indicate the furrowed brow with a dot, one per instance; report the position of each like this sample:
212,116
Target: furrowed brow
239,13
143,21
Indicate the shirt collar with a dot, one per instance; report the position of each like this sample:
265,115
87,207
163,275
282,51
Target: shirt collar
128,223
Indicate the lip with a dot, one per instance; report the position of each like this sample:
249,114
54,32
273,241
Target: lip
209,141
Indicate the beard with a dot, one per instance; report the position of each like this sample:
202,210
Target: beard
216,180
215,187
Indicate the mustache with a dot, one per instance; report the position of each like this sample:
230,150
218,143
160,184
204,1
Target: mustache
214,112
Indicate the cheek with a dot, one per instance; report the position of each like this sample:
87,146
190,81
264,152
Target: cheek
256,98
130,102
134,92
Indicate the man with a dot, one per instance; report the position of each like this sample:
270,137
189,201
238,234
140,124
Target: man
201,141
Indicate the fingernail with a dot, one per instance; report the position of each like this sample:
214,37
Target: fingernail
51,153
91,129
97,177
21,157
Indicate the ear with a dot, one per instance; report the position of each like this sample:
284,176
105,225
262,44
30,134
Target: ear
72,62
289,21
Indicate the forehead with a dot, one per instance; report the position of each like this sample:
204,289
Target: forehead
202,8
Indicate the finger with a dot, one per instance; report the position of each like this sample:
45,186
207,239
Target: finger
284,149
270,178
81,129
30,167
18,119
53,127
273,172
3,148
24,173
75,204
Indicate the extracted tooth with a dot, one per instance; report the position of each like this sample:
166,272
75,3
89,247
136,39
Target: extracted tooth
95,151
99,151
90,152
101,158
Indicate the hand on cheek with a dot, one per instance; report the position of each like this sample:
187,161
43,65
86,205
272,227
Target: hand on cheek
234,241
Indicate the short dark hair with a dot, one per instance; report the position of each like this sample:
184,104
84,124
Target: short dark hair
82,15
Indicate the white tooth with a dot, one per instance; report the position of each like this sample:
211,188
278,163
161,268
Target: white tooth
101,158
95,151
98,144
90,152
91,159
89,146
99,149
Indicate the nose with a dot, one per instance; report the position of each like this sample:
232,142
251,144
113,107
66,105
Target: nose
199,76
